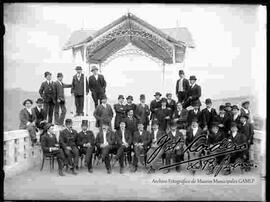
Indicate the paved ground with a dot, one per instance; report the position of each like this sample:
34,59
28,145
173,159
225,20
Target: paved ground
37,185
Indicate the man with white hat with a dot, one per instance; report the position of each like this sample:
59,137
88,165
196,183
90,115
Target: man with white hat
97,85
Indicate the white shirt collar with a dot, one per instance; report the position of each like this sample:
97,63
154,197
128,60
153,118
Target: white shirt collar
245,110
194,131
173,133
104,105
234,134
29,110
193,85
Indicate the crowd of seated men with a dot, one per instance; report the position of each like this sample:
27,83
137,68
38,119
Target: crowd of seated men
138,129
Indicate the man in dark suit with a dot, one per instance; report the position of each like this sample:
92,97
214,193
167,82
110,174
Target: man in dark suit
86,144
67,140
40,113
103,112
141,142
77,89
245,110
235,116
120,111
171,104
228,108
163,115
50,146
129,104
194,93
223,120
131,122
194,113
180,116
142,112
28,119
106,144
123,141
60,100
155,105
208,115
97,85
182,87
47,92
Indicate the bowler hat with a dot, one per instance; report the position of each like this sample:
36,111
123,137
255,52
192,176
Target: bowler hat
121,97
129,97
192,77
27,100
228,104
157,93
47,126
221,107
142,96
163,100
84,123
39,100
59,74
68,121
47,73
181,72
154,122
208,101
78,68
167,94
235,107
94,68
244,115
245,102
195,103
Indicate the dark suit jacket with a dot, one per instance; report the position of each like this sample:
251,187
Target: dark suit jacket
59,90
192,115
132,106
142,113
98,85
182,122
26,117
85,138
118,136
225,121
110,137
144,138
175,138
120,111
67,138
239,139
171,105
131,124
208,117
77,86
237,121
47,92
195,94
185,85
190,137
103,114
154,106
161,114
248,131
47,142
215,138
40,116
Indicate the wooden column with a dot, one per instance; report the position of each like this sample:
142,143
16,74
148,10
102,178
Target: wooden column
72,97
85,106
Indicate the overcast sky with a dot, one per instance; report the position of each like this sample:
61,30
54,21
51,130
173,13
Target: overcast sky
229,58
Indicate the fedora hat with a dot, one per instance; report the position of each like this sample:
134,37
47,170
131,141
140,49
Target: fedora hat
208,101
39,100
129,97
27,100
47,73
157,94
84,123
59,74
245,102
121,97
235,107
78,68
94,68
192,77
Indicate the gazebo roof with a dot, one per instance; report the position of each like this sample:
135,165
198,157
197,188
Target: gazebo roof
102,43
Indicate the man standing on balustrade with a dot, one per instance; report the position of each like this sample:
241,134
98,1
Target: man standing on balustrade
67,140
97,86
77,89
103,112
50,146
182,87
47,92
60,100
142,112
120,111
28,119
194,93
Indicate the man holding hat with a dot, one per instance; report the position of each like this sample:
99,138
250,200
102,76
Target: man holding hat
60,99
129,104
182,87
194,93
67,140
163,115
208,115
142,112
97,85
86,144
103,112
77,89
50,146
47,92
40,113
155,105
120,111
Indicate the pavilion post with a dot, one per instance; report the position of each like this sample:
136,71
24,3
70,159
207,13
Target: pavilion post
85,106
73,97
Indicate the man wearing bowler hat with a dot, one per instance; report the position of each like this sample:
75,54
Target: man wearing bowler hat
208,115
120,111
194,92
142,112
97,85
155,105
60,100
182,87
47,92
77,89
228,108
129,104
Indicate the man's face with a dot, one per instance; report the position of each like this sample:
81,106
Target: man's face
234,129
49,77
179,106
209,105
157,97
104,127
169,96
192,82
122,125
235,111
173,128
69,125
60,78
95,72
196,107
51,130
163,104
140,127
181,75
79,71
129,101
28,104
221,111
242,119
121,100
194,124
84,127
104,101
155,127
246,106
228,108
215,129
130,112
40,105
142,100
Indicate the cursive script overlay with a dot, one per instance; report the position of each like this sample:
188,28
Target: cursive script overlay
222,148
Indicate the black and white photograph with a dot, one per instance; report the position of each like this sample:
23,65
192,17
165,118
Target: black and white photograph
134,101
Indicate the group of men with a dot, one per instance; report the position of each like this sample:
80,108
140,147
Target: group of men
131,134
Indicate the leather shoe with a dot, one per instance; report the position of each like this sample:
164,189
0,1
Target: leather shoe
73,172
61,173
121,170
109,171
90,170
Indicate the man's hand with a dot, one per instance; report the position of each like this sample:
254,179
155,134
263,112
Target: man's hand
68,148
58,100
167,117
220,125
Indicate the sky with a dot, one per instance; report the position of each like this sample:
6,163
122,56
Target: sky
229,58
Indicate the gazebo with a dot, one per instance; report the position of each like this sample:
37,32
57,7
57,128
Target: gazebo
168,46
